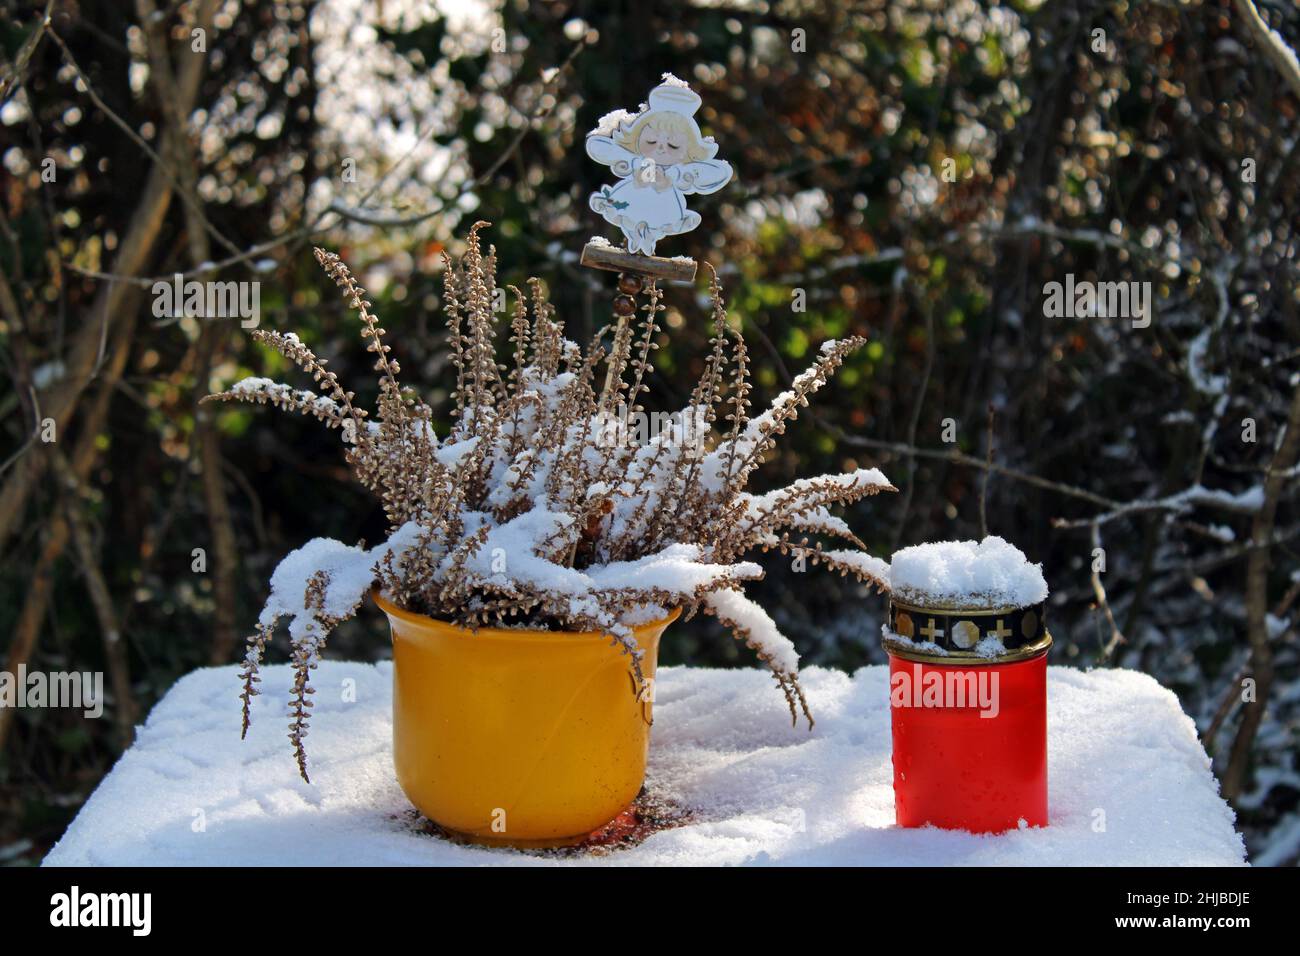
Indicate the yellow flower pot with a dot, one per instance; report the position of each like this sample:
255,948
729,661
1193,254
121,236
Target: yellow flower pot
518,738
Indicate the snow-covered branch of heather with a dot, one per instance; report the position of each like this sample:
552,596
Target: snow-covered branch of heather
733,456
799,504
266,391
347,574
761,633
867,566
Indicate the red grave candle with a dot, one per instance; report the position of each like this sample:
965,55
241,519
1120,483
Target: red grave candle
968,708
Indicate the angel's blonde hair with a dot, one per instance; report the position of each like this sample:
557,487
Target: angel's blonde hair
662,121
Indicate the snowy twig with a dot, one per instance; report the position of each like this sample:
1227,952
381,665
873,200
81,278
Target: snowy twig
1181,503
1270,41
1099,594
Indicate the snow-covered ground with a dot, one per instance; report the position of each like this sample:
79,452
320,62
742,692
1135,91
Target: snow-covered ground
1129,782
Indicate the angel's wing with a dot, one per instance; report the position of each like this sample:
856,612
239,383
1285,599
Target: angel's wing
607,152
705,176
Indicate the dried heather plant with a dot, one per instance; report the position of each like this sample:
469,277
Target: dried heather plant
541,508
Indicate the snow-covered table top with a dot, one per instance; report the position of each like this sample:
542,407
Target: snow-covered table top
1129,781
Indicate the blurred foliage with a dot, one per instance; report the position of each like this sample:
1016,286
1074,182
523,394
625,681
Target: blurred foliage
916,171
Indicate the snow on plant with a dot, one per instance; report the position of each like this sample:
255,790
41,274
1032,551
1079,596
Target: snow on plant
540,508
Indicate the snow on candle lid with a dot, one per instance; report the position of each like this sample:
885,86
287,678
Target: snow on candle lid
966,574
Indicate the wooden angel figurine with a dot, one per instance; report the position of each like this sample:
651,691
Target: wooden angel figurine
660,159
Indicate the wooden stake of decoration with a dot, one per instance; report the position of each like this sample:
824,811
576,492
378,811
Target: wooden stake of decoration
603,256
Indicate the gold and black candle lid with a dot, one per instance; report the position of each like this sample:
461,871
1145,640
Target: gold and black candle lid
957,631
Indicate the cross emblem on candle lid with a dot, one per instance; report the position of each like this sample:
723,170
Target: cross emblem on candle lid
930,632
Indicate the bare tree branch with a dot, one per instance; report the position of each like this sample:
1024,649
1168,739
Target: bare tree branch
1257,625
540,112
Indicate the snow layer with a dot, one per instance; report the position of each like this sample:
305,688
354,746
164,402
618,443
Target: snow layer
1129,782
991,573
611,122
